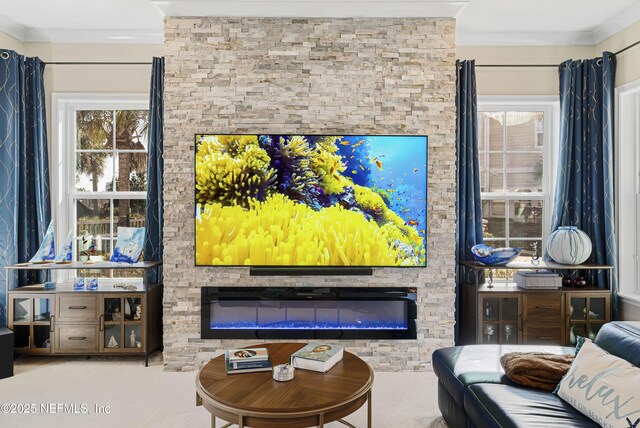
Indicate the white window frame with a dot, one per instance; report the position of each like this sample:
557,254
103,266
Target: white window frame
550,106
627,159
63,157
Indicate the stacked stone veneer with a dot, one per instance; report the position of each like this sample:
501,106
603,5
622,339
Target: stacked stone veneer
333,76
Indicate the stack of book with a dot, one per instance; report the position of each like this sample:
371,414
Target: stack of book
537,279
247,360
319,357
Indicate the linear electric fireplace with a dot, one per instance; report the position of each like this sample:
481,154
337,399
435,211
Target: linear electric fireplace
308,313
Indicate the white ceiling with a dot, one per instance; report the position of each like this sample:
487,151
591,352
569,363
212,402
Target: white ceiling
480,22
544,22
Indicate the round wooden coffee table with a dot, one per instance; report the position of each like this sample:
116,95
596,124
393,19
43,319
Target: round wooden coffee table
310,399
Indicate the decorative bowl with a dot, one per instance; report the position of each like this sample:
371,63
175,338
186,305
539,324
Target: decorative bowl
494,256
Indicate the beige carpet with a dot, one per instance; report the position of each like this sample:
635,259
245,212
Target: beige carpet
148,397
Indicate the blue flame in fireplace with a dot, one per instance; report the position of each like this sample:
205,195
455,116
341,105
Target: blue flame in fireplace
310,325
235,314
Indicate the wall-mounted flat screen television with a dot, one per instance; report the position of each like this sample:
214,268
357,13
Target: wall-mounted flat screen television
310,200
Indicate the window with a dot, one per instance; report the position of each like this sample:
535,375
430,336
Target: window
514,145
103,157
628,190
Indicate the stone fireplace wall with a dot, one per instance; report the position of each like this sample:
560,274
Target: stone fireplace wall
330,76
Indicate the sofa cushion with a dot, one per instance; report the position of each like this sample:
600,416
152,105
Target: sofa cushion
493,406
460,366
603,387
622,339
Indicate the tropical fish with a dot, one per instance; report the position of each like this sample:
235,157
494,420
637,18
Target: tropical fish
379,165
359,143
345,143
390,190
361,167
367,158
354,172
381,178
407,210
415,169
352,156
375,158
412,223
421,231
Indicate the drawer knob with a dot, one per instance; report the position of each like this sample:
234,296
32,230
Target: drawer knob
545,307
77,338
77,307
545,337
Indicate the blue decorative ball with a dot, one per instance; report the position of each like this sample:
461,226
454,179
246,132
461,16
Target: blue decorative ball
569,245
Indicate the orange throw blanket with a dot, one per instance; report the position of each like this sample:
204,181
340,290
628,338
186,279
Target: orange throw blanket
535,369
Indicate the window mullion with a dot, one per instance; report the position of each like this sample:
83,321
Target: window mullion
504,152
113,230
504,178
114,181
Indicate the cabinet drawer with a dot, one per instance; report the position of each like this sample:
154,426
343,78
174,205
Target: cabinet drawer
77,308
70,339
543,334
543,308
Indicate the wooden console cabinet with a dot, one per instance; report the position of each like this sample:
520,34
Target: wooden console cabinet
109,320
511,315
506,314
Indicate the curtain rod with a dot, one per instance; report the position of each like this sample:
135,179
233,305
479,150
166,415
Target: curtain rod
96,63
550,65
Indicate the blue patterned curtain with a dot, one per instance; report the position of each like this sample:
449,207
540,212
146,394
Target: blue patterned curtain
469,208
153,218
584,189
25,205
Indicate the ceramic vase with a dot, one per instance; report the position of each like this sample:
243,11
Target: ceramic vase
569,246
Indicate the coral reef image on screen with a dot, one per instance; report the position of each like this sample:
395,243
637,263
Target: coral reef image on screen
308,200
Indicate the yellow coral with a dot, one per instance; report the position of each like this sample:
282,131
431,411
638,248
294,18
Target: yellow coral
368,200
372,203
231,169
280,231
328,165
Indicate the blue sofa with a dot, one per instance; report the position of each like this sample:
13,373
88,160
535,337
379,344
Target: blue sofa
473,390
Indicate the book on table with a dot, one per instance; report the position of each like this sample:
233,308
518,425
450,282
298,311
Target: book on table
247,360
319,357
247,354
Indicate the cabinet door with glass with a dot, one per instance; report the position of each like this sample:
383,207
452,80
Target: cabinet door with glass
122,323
499,318
31,317
587,312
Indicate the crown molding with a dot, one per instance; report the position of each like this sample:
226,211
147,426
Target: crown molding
481,38
313,8
610,27
617,23
132,36
12,28
49,35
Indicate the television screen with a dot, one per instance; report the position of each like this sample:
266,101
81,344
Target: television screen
310,200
